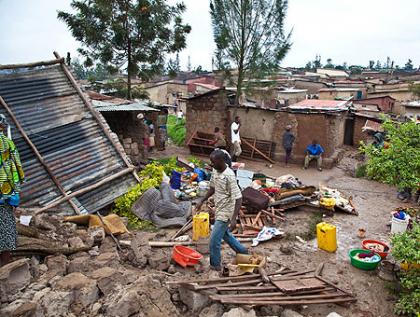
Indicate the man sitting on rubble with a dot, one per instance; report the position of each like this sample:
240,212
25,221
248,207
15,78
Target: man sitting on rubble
228,201
314,152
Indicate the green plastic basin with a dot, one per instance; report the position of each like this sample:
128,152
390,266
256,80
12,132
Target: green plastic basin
367,266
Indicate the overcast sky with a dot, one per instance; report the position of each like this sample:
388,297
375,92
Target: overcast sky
352,31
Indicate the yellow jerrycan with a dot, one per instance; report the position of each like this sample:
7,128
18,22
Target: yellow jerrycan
326,235
201,225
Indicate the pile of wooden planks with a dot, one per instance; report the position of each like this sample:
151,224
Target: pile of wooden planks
286,287
251,222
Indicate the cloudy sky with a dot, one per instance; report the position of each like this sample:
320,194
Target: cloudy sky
352,31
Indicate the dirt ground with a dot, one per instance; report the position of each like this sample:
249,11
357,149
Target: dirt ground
373,201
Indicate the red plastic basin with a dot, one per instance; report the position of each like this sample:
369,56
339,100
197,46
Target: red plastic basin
185,256
382,254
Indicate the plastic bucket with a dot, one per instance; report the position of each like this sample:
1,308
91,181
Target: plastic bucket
398,225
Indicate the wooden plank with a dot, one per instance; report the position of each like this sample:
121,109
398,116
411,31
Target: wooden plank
272,294
249,282
290,301
299,284
253,149
259,152
30,65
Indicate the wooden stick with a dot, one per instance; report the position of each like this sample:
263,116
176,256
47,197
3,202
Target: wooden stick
319,269
185,227
37,154
30,65
335,286
214,280
162,244
257,218
246,288
279,297
249,282
275,294
272,216
97,117
288,302
85,190
258,151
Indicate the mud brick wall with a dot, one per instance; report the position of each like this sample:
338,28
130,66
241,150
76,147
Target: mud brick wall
207,112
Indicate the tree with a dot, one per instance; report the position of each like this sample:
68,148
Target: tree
309,66
409,65
399,164
131,34
199,70
92,73
371,64
317,62
378,65
173,67
249,35
329,63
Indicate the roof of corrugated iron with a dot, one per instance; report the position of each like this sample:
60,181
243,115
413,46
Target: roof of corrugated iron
72,143
320,105
103,106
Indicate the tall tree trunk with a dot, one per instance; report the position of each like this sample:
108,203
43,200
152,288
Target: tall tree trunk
129,70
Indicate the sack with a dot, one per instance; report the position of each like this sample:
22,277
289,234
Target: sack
254,199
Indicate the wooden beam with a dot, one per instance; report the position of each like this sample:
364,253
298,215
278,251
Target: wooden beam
97,117
36,64
258,151
37,154
86,189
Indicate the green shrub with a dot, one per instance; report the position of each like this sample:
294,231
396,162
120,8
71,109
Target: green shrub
176,131
406,248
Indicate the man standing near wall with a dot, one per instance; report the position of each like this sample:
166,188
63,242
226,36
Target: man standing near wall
236,139
288,140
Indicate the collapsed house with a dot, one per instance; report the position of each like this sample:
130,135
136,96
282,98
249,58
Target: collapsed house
72,161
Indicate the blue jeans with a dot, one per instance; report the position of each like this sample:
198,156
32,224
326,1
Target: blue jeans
221,232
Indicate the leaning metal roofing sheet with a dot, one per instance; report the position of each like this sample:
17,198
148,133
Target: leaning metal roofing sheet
72,143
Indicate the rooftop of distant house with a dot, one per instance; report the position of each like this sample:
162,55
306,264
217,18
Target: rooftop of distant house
338,89
320,105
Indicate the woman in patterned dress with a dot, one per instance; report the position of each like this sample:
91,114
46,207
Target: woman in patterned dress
11,176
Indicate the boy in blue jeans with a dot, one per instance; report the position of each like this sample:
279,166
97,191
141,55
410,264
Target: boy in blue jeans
228,200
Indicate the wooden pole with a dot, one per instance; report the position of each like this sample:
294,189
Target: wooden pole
96,115
37,154
85,190
110,232
258,151
29,65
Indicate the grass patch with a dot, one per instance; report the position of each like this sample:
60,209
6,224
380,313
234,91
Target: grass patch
361,171
176,131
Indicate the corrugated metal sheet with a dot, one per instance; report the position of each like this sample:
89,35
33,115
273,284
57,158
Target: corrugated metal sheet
67,136
103,106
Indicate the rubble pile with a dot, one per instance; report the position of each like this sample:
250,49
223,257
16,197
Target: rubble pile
86,275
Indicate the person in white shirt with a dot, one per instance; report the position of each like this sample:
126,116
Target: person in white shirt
180,116
236,139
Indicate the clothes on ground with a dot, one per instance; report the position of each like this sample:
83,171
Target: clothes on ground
226,192
367,257
288,140
235,135
8,232
161,207
266,233
314,149
220,140
221,232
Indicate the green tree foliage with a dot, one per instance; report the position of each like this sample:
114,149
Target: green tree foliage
173,67
399,164
92,73
409,65
329,63
249,36
371,64
308,66
176,130
132,34
317,62
118,87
